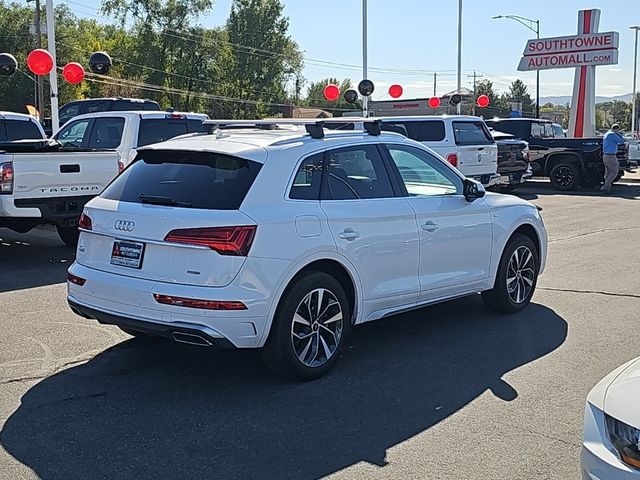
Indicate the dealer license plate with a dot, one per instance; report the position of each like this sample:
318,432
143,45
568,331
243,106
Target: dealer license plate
127,254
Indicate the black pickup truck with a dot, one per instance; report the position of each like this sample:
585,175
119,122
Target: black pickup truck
568,162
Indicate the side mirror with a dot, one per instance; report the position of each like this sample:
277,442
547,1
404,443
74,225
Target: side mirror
472,190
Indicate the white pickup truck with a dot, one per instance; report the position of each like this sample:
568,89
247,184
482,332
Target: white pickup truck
49,182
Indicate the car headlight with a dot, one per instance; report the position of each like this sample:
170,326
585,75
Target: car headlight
625,439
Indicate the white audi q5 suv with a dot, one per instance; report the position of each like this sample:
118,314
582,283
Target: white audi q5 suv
282,238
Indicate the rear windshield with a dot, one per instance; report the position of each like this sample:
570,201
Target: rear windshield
155,130
19,130
421,131
202,180
472,133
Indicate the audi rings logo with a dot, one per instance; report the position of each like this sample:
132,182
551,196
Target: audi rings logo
124,225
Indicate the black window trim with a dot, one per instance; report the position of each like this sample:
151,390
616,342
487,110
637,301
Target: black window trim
398,176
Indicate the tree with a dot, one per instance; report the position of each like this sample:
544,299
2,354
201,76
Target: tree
315,97
264,57
498,107
518,92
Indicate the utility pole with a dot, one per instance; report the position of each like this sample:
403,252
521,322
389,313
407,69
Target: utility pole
39,85
435,82
475,76
53,75
459,52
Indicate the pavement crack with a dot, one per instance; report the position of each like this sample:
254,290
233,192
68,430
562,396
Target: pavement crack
590,292
52,371
594,232
530,431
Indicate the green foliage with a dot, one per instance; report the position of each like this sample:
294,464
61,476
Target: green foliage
518,92
498,106
248,67
315,96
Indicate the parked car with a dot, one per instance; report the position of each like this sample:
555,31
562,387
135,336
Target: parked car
18,126
611,434
94,105
513,161
50,182
464,141
282,240
568,162
125,132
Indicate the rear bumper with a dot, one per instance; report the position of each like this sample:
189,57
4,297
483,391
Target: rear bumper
60,210
9,209
515,178
179,331
488,180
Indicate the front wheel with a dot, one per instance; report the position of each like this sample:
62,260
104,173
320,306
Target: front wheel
69,235
309,329
565,176
516,278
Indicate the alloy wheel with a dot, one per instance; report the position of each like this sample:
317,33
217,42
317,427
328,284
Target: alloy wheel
563,176
317,327
520,274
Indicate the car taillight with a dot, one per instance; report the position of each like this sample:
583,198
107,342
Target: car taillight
85,222
6,177
224,240
452,158
76,280
175,116
197,303
120,166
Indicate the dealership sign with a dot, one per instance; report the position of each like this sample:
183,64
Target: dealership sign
574,51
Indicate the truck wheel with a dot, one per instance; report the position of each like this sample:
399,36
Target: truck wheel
309,328
69,235
565,176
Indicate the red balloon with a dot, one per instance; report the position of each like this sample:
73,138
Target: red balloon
73,72
40,61
331,92
483,101
395,91
434,102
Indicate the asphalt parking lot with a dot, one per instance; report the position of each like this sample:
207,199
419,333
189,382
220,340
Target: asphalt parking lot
447,392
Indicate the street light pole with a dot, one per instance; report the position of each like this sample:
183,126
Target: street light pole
635,73
459,107
365,99
529,23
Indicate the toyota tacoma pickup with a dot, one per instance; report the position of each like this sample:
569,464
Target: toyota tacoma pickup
568,162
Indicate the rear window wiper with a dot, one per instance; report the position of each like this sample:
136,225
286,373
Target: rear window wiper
159,200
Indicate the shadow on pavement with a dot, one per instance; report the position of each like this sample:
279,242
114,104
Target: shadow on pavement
32,259
533,190
152,409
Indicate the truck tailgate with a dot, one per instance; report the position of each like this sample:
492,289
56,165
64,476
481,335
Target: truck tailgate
62,174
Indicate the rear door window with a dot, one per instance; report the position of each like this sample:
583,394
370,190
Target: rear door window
96,106
106,132
20,130
472,133
68,112
202,180
356,172
156,130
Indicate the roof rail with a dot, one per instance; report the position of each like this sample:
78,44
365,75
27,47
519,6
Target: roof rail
315,128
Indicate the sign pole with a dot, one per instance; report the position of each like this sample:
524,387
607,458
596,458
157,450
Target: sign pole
459,106
53,75
635,73
365,99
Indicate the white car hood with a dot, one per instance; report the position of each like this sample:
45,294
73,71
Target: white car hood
622,400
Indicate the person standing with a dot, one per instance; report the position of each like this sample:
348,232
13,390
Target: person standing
610,144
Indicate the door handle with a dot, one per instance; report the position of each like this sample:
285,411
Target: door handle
348,234
430,226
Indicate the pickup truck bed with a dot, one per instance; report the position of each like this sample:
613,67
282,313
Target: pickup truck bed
45,184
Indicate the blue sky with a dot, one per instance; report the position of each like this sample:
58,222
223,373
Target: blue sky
421,35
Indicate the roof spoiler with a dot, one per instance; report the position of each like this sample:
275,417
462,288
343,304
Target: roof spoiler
315,128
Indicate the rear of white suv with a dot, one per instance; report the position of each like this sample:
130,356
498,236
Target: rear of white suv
281,241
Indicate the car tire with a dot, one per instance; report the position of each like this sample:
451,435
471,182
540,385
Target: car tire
310,328
69,235
516,278
565,176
